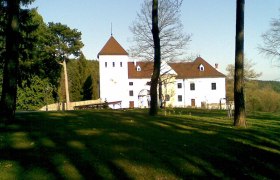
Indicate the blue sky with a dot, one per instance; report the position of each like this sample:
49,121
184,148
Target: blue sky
211,23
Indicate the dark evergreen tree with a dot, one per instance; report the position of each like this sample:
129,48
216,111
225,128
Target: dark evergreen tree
88,88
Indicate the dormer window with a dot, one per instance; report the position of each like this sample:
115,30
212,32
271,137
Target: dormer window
138,68
201,67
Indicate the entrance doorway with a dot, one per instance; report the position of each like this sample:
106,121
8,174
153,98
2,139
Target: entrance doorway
131,104
144,98
193,102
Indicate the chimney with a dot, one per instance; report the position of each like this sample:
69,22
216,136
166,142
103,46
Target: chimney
216,66
134,63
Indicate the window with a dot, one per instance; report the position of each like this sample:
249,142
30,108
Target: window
138,68
120,64
131,83
201,67
105,64
113,64
179,85
213,86
167,97
192,86
130,93
180,98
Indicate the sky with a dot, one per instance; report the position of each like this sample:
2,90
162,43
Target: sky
210,22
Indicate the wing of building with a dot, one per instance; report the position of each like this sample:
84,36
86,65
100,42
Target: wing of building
184,84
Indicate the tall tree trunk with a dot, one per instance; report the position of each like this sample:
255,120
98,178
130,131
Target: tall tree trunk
66,85
239,103
157,61
11,63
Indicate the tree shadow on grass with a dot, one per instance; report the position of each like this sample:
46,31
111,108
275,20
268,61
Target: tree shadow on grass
111,144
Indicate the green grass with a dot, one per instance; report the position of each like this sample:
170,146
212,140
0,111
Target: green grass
107,144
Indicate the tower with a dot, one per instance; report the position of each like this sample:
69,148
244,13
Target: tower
113,71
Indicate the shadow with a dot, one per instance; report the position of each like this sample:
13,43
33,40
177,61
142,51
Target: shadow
111,144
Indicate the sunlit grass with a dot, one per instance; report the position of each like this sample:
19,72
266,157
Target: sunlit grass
108,144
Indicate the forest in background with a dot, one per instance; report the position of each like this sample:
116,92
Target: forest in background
259,95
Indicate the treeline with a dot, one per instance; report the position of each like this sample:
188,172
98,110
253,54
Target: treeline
42,47
275,85
259,95
83,77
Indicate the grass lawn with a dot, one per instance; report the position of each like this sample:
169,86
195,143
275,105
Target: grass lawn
108,144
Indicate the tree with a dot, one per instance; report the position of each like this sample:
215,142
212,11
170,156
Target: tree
271,39
38,50
239,103
34,94
88,88
157,60
11,63
37,58
74,77
66,42
31,42
249,72
249,75
173,40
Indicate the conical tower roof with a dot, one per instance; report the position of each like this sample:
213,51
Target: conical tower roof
112,47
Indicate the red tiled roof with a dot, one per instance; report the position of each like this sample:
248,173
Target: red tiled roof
146,70
112,47
191,69
184,70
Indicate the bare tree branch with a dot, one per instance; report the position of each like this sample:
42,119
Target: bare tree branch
249,72
173,41
271,41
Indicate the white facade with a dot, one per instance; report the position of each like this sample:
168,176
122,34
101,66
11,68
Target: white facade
204,91
195,84
114,78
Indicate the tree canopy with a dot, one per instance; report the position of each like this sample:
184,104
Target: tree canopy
173,39
64,41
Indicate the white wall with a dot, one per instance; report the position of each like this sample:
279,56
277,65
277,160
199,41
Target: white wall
203,91
114,80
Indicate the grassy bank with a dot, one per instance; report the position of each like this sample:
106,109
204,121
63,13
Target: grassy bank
107,144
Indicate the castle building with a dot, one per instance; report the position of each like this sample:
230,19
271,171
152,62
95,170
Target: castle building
126,84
